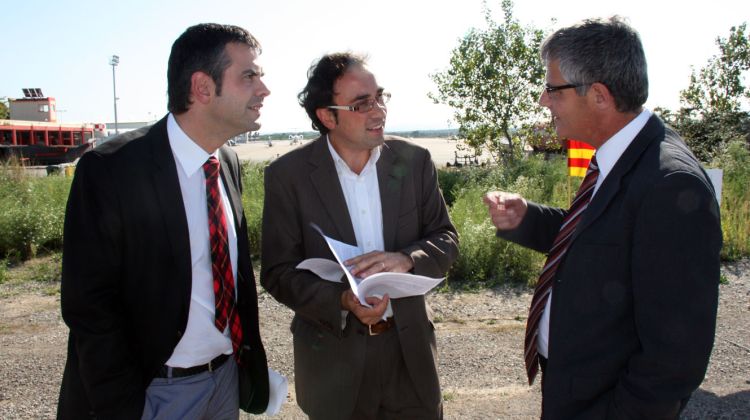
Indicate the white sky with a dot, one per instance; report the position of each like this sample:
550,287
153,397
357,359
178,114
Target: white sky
64,48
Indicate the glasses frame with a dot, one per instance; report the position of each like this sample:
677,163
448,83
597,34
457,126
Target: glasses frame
365,106
552,89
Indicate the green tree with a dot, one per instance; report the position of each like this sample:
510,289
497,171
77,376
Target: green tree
4,110
719,86
493,84
713,112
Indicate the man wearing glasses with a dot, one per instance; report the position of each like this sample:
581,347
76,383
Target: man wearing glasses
381,194
623,315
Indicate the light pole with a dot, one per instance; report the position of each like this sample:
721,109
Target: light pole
114,62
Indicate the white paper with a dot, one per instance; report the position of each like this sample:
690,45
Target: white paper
278,390
396,285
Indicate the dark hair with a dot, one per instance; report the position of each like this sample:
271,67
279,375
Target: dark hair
605,51
201,48
321,76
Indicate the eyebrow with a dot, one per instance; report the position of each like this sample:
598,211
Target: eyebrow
367,95
253,72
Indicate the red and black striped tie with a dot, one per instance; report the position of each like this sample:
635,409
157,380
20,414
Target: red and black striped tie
221,265
556,253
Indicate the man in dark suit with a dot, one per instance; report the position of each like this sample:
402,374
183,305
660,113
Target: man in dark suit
379,193
623,316
138,272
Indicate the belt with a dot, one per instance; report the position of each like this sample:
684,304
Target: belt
382,326
182,372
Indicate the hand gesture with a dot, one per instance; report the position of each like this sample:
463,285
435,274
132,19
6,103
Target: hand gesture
506,209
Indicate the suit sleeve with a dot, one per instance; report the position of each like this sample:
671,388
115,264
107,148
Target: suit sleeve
538,228
317,300
675,275
437,248
90,299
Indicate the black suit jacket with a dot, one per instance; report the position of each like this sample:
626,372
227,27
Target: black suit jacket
126,280
302,187
635,298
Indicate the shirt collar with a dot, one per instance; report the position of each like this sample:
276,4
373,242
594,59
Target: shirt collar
187,153
341,164
609,153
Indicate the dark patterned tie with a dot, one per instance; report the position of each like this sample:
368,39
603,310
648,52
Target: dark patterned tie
221,265
556,253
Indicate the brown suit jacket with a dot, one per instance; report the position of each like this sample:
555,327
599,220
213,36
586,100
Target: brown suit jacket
302,187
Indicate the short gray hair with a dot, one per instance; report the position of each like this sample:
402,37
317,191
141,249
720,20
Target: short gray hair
608,51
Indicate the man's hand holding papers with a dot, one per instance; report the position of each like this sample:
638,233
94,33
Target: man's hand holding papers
375,286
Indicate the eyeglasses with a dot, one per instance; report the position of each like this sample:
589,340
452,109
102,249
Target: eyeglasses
551,89
366,105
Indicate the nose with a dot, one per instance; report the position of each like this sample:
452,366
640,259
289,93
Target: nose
544,99
263,91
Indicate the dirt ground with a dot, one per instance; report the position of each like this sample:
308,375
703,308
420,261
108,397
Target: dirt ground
479,343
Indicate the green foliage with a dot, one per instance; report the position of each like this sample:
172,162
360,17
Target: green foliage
484,259
712,116
735,202
4,109
32,212
492,83
708,135
3,270
719,86
252,201
48,270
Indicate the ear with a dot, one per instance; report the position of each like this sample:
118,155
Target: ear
601,96
201,87
327,117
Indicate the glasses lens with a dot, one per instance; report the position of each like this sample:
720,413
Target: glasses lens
364,107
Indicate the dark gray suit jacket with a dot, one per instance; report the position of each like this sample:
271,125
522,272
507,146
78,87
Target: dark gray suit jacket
635,297
302,187
127,280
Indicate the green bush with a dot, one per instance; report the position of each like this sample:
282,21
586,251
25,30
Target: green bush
484,259
252,201
735,202
32,212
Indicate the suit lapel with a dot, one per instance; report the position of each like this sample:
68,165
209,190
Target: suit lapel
168,192
326,183
389,184
652,130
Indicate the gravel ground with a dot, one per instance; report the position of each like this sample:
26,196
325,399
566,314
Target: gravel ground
479,344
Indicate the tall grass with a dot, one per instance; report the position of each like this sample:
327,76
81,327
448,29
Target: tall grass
252,201
735,202
485,260
32,211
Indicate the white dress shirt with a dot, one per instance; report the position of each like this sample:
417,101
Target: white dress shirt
362,195
201,341
606,157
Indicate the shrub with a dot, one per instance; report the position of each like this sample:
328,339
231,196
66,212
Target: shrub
735,202
32,212
485,260
252,201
